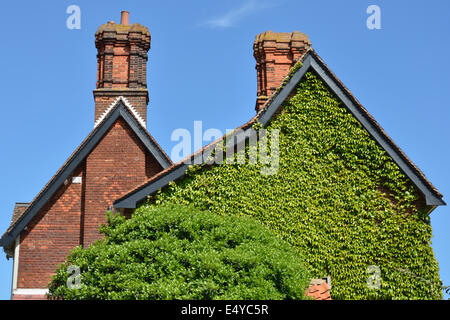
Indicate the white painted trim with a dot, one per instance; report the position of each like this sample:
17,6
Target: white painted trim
77,180
127,104
30,291
15,265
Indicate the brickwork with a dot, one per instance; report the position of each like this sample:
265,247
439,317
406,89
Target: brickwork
122,66
138,98
275,54
29,297
118,164
50,235
73,215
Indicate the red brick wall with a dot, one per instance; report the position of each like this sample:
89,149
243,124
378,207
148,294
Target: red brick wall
50,236
116,165
121,59
29,297
73,215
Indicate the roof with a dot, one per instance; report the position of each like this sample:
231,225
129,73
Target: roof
19,209
319,289
310,62
119,108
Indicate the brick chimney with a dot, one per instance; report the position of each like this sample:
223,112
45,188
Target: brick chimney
275,54
122,65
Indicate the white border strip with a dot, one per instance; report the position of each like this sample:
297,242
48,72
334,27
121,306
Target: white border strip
30,291
15,265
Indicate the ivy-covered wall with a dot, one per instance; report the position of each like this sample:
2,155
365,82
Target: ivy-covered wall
337,196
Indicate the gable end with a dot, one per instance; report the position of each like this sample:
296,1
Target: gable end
120,110
311,61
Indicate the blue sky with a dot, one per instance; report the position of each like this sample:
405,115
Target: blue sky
201,67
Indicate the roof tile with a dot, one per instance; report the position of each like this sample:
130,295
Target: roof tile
319,289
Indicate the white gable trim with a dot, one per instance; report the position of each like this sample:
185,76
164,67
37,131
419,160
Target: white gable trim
126,104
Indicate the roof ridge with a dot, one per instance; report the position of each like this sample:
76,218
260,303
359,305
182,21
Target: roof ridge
262,115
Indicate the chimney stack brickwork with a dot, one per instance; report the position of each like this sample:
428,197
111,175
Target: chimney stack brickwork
119,162
122,65
275,54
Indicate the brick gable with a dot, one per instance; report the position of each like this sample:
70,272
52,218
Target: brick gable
73,215
119,162
50,236
118,155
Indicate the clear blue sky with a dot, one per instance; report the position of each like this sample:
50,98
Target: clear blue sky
201,68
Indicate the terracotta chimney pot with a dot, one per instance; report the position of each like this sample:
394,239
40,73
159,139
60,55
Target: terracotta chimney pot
125,18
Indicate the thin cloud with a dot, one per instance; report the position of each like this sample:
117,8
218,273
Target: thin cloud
231,18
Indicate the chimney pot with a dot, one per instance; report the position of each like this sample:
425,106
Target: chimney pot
125,18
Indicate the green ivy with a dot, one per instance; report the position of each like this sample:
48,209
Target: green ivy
338,197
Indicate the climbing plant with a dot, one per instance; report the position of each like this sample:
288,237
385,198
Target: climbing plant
337,196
